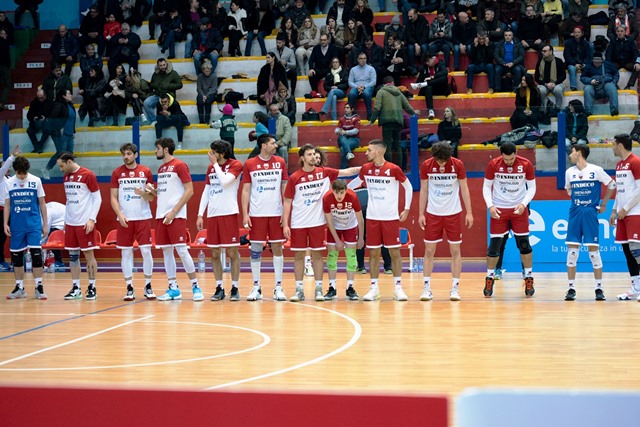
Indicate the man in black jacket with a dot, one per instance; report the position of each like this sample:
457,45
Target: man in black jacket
91,29
64,48
124,48
416,37
39,110
464,33
531,30
207,43
549,76
623,52
320,61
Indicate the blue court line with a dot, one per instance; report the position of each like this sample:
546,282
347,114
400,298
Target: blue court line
66,320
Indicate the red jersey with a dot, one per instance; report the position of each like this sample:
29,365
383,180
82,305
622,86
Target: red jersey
171,177
265,177
306,189
83,197
627,174
126,180
509,182
444,185
342,213
383,185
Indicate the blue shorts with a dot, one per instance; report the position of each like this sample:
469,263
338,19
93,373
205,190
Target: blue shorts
21,240
583,228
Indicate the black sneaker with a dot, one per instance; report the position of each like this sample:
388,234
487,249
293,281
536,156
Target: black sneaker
219,295
361,270
331,294
130,296
571,295
91,293
235,294
148,292
600,295
352,295
488,286
529,290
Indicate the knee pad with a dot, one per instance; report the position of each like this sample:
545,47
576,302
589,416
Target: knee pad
596,260
332,260
74,258
352,260
256,251
17,259
494,247
36,257
572,257
523,245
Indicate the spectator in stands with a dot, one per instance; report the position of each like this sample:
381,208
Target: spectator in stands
308,37
260,24
537,7
218,15
110,29
289,32
39,111
228,127
549,76
509,57
441,36
133,11
395,60
281,8
336,84
136,91
552,16
394,29
432,80
363,15
283,132
577,53
160,9
362,81
348,131
481,60
341,11
237,19
375,55
484,5
464,33
531,32
286,103
628,5
574,20
169,113
27,5
124,48
491,26
62,126
576,125
320,61
622,19
416,38
352,39
87,61
207,89
287,58
207,44
7,26
580,7
170,32
528,104
5,67
335,34
165,80
117,100
64,48
623,53
510,14
56,81
299,13
93,100
470,7
600,79
92,29
190,20
271,79
449,130
262,122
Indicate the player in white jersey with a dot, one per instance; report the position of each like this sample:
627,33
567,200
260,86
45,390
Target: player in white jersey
24,204
80,233
130,201
220,195
509,187
174,189
303,203
625,215
443,180
263,180
383,180
583,183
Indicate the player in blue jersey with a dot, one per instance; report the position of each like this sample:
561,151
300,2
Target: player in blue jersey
26,207
583,183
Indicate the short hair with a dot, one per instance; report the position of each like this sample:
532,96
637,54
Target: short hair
583,149
128,147
55,65
508,148
206,64
378,142
161,59
166,143
65,156
339,185
388,79
21,164
441,151
221,147
625,140
264,139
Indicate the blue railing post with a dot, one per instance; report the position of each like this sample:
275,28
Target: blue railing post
135,137
6,147
414,174
562,156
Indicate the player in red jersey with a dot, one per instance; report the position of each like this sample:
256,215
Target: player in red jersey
509,187
220,195
383,180
83,205
443,180
130,201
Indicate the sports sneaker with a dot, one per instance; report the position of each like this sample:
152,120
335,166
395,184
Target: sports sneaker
361,270
308,270
319,296
130,296
498,273
399,295
39,293
4,267
350,156
629,295
600,295
529,290
218,295
372,295
431,115
388,271
255,295
91,293
234,295
197,293
488,286
148,293
416,86
17,293
426,295
170,295
299,295
74,293
571,295
352,295
332,294
454,295
278,294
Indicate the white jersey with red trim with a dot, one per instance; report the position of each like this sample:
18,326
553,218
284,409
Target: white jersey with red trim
171,177
126,180
266,178
342,213
627,172
383,184
306,189
223,200
79,186
509,182
444,185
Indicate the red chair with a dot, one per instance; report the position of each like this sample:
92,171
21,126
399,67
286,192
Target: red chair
110,240
55,240
200,241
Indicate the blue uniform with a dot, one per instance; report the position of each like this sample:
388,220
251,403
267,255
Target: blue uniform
26,218
586,191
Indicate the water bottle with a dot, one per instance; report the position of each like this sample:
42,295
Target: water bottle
201,258
28,263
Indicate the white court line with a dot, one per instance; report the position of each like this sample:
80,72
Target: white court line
352,341
24,356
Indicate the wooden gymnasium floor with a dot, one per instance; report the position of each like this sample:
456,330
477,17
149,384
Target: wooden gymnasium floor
385,346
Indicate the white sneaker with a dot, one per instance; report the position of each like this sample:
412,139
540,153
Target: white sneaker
319,295
629,295
45,174
431,115
178,146
298,296
278,295
426,295
372,295
416,86
399,295
350,156
454,295
255,295
308,270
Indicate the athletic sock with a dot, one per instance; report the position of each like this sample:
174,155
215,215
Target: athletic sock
332,284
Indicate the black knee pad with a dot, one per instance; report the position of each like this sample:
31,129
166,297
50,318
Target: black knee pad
495,243
523,245
36,257
17,259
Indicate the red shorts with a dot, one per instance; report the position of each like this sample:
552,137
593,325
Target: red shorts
308,238
626,228
75,238
222,231
266,229
349,237
385,233
519,224
437,225
139,231
173,234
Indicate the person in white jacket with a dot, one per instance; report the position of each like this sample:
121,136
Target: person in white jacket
237,18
